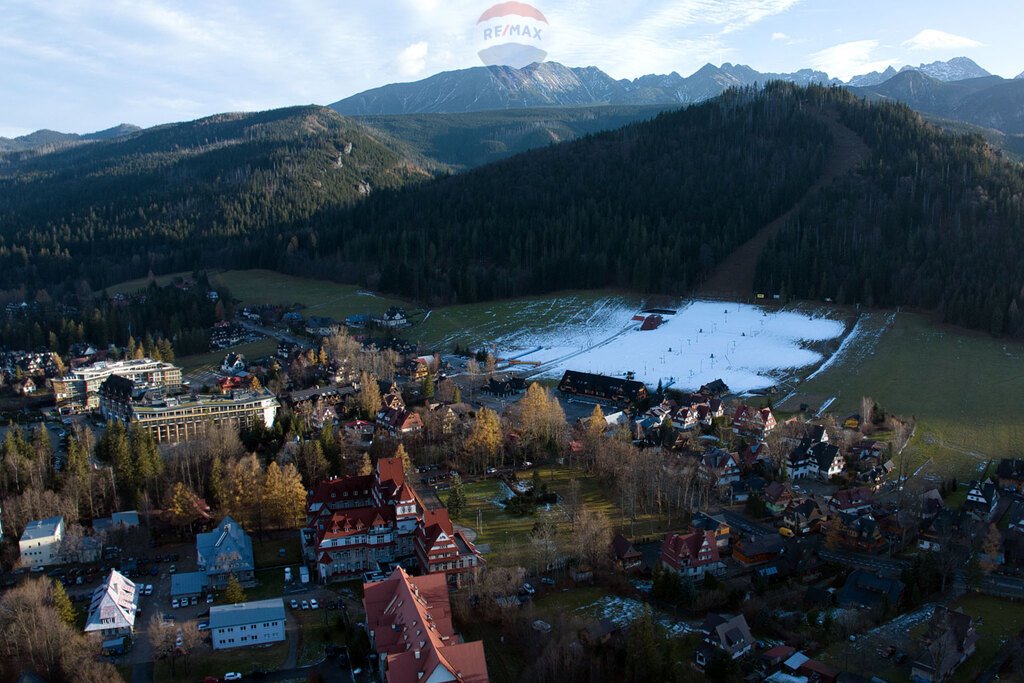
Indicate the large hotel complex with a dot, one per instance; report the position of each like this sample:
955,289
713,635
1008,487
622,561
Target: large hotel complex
80,389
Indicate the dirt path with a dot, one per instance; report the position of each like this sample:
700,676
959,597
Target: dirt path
734,277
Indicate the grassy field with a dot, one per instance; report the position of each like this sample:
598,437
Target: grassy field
206,662
997,620
266,553
130,286
958,384
212,359
500,529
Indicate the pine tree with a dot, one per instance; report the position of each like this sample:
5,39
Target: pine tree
233,591
62,603
457,394
403,455
369,401
215,484
428,387
456,502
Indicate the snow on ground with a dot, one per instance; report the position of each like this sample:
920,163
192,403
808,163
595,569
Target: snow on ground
624,611
747,347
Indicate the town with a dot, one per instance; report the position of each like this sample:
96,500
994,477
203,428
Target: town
355,507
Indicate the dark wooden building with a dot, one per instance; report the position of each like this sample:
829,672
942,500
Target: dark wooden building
602,387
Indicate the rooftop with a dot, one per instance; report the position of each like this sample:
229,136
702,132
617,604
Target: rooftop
222,616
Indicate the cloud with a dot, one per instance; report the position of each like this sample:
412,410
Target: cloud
850,59
932,40
778,35
412,61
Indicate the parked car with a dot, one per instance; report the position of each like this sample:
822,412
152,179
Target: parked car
528,589
194,600
172,569
148,590
175,603
547,581
232,676
295,604
209,598
313,604
203,626
305,604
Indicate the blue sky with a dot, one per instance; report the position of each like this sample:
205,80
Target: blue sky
83,65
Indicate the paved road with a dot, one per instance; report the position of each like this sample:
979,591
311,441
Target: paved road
747,525
275,333
865,561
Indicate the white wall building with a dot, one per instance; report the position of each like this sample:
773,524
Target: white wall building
40,543
247,623
114,606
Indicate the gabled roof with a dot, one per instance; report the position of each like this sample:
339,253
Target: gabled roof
226,549
623,549
114,604
683,550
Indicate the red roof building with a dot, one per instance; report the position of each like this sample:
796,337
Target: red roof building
409,621
749,421
692,554
442,548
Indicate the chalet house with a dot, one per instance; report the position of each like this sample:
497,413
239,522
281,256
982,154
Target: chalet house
754,550
393,317
800,464
440,548
399,422
777,496
864,589
828,460
854,501
686,418
322,416
753,422
391,396
409,622
225,551
805,516
798,559
114,606
930,504
625,553
728,634
719,468
692,554
602,387
233,363
505,386
951,638
715,389
869,450
359,431
322,327
859,533
1010,474
717,525
26,387
599,632
982,500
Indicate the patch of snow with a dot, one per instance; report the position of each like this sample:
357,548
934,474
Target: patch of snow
746,346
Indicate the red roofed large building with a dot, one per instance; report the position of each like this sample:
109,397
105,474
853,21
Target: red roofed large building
355,523
409,622
692,554
754,422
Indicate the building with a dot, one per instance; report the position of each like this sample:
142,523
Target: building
409,622
40,542
864,589
440,548
625,553
114,606
1010,474
127,519
602,387
982,500
356,523
753,422
186,585
247,623
80,389
170,420
855,501
692,554
225,551
724,633
949,641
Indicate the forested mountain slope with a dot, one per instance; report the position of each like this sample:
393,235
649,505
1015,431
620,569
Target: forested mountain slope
932,220
181,195
650,207
462,141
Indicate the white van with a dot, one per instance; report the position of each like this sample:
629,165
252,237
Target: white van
287,574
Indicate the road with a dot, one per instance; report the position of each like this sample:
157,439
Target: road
864,561
746,525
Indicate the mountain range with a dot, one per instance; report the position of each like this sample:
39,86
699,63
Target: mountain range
552,84
51,139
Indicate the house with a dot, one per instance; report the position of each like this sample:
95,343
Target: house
777,496
599,632
503,387
393,317
399,422
186,585
322,416
716,389
864,589
26,387
225,551
951,638
114,606
728,634
318,326
828,461
359,431
1010,474
982,500
753,550
718,467
800,464
625,553
602,387
805,516
753,422
441,548
233,363
857,500
247,623
809,669
692,554
860,533
409,622
702,521
40,543
869,450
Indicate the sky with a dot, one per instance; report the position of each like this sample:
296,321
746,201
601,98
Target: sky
85,65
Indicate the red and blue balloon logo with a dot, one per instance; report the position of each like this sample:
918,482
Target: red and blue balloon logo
512,34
